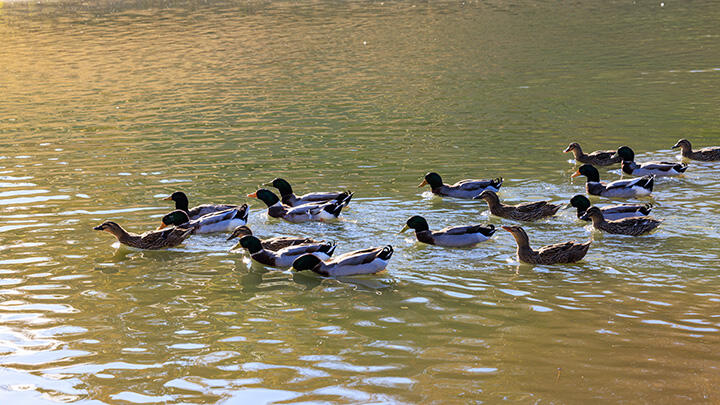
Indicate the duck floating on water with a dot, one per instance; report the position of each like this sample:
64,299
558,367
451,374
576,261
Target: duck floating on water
182,203
634,226
285,256
151,240
648,168
597,158
638,186
529,212
303,213
568,252
291,200
222,221
708,154
466,189
611,212
454,236
276,243
366,261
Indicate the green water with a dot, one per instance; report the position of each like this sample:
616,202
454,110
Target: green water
107,106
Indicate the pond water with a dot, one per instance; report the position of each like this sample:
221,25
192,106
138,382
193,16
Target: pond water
108,106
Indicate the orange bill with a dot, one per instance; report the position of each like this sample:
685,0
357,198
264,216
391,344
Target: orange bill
424,182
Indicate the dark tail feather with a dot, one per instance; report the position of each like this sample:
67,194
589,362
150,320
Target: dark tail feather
386,253
497,182
346,200
242,213
646,209
681,168
488,230
331,250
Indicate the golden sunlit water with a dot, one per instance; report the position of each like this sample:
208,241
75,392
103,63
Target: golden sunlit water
105,107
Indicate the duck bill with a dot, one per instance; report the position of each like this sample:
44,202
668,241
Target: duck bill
424,183
507,228
253,195
98,228
232,236
162,226
577,173
677,145
168,198
568,149
566,206
405,228
267,184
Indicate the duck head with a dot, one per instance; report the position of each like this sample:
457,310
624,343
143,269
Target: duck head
433,179
417,223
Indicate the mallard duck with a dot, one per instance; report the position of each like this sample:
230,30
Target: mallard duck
291,200
303,213
648,168
568,252
286,256
531,211
366,261
274,244
454,236
598,158
181,203
706,154
620,188
222,221
466,189
149,240
611,212
627,226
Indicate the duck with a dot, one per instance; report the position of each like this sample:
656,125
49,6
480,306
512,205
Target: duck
181,203
568,252
303,213
466,189
648,168
291,200
274,244
637,186
151,240
366,261
454,236
708,154
597,158
529,212
611,212
222,221
285,256
634,226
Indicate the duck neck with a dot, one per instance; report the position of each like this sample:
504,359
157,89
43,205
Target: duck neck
578,152
123,236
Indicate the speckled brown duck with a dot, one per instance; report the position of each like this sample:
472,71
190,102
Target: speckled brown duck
597,158
568,252
634,226
152,240
708,154
528,212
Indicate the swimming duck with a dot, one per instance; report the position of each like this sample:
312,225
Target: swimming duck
620,188
706,154
611,212
598,158
286,256
531,211
274,244
466,189
181,203
149,240
568,252
221,221
303,213
627,226
655,168
291,200
366,261
454,236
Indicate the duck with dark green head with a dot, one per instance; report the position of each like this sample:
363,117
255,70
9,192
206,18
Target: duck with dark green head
611,212
274,244
222,221
286,256
648,168
291,200
638,186
303,213
466,189
366,261
454,236
182,203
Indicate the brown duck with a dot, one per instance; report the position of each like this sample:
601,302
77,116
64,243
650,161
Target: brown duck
633,226
568,252
165,238
706,154
597,158
531,211
273,244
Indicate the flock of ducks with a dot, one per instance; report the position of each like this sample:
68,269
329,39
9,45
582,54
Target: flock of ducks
302,253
